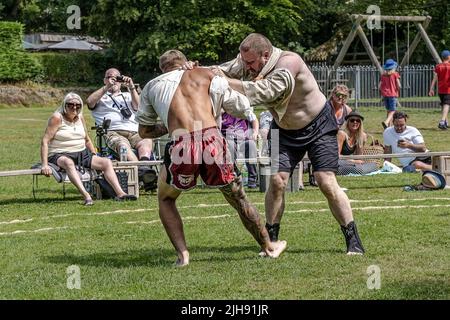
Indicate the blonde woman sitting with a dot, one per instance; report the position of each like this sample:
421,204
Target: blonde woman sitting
351,140
67,144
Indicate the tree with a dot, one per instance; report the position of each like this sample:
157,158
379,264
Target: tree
207,30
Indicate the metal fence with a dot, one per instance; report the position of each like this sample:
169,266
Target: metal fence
363,84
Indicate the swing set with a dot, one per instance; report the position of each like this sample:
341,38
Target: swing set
421,23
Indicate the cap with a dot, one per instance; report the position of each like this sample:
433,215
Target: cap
445,54
354,114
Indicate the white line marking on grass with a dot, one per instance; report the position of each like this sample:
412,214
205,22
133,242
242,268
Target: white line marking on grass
31,231
204,205
375,208
184,219
16,221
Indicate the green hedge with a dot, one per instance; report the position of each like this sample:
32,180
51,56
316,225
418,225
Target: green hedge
15,63
74,69
10,36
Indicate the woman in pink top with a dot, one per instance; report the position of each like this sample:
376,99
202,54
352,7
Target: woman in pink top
389,88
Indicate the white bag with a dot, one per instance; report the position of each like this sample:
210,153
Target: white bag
390,167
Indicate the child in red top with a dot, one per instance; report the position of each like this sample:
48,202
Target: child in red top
389,88
442,76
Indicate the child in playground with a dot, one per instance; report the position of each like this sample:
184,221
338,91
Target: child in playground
389,88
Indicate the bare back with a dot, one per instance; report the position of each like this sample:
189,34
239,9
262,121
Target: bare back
191,107
307,100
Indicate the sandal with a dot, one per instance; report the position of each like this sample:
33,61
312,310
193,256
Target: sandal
89,202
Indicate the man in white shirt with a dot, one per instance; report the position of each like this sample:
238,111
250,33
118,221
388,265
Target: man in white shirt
109,102
401,138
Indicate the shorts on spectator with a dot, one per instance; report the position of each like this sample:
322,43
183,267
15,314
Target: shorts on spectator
114,138
445,99
390,103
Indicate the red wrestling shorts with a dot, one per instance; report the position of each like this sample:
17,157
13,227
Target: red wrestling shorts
203,153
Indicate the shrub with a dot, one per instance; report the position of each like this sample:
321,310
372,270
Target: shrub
74,69
15,63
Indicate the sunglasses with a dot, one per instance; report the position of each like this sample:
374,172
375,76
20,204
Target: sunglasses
354,120
73,105
341,95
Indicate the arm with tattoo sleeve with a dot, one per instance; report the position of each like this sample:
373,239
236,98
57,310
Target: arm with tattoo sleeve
152,131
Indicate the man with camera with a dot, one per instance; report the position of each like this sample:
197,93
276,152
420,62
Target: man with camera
110,102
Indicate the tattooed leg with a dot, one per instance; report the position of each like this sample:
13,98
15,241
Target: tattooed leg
235,195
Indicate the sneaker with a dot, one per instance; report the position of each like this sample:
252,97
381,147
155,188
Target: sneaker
273,231
443,125
352,240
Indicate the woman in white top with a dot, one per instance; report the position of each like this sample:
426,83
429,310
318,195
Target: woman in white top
66,144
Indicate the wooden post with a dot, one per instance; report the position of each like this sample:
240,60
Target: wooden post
348,42
344,49
391,18
414,43
369,49
429,44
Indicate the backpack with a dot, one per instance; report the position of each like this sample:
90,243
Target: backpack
105,189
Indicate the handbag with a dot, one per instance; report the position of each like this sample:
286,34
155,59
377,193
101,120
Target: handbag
374,148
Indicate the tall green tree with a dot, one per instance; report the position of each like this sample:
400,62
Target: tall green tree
207,30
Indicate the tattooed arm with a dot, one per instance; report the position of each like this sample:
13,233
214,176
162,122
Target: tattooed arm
153,131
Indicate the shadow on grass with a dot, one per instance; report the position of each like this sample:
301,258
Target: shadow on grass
153,257
438,288
39,200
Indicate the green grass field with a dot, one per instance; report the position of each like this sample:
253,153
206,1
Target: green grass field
122,250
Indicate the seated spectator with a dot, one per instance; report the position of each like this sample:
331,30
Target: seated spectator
351,139
240,138
339,96
406,139
109,102
67,144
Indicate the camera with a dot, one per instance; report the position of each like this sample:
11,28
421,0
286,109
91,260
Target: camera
119,78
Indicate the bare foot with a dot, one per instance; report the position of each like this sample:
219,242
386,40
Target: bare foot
183,259
274,252
181,263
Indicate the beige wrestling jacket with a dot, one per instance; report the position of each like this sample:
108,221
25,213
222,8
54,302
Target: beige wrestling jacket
275,88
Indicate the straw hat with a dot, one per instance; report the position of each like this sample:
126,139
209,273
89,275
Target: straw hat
433,180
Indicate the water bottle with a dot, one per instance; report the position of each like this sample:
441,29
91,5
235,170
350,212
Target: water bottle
123,153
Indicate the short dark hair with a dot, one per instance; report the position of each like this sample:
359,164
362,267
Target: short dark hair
256,42
399,115
170,59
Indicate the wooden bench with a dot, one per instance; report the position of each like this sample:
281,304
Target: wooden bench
35,174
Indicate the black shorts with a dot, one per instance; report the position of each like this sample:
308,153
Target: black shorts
318,139
82,158
445,98
426,160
